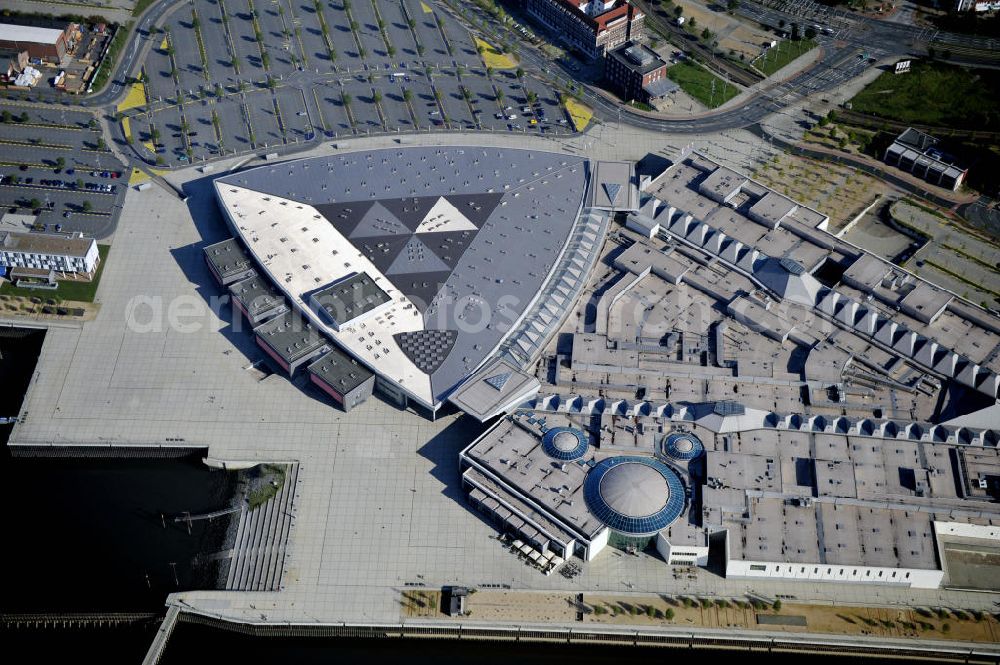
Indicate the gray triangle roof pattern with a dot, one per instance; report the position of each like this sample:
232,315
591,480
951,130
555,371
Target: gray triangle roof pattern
416,257
477,208
345,216
381,250
378,221
410,210
524,203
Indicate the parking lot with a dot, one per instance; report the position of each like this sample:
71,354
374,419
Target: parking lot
55,163
234,76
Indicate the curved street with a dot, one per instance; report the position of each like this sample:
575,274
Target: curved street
839,62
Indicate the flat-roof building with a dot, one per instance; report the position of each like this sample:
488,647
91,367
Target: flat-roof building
475,254
257,299
65,254
342,378
228,262
291,341
44,43
590,27
636,72
349,300
916,152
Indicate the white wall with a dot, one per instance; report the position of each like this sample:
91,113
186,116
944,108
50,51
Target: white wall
910,577
598,543
681,555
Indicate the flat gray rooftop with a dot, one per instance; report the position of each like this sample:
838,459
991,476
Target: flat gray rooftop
228,258
468,234
291,336
371,517
257,295
350,298
339,370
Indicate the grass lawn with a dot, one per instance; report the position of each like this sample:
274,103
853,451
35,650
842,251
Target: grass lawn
580,114
494,57
76,291
696,81
935,94
785,52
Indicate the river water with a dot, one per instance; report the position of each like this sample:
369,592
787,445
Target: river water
99,535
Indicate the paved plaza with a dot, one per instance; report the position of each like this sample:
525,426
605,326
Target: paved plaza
379,508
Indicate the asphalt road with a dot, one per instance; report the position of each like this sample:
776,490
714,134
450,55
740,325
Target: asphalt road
838,63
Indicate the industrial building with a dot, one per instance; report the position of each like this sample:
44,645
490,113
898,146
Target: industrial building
290,341
65,255
590,27
915,152
342,378
228,262
48,44
635,72
257,300
428,279
767,376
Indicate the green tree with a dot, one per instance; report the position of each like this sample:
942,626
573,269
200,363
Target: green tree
79,183
669,614
391,50
6,116
407,96
60,163
86,206
732,5
706,34
411,23
678,11
377,97
23,117
532,97
810,33
34,204
776,606
345,99
519,73
693,23
101,145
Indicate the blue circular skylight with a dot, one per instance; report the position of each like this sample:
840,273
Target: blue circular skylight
635,496
565,443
